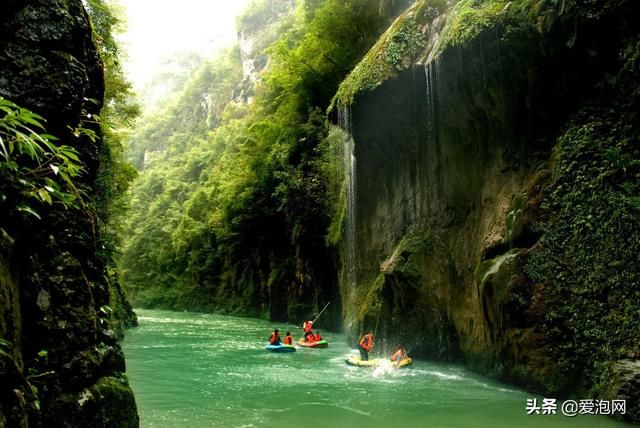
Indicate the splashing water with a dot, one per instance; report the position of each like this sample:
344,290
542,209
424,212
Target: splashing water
386,368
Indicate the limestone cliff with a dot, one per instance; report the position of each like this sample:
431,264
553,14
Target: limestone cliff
493,176
256,31
62,366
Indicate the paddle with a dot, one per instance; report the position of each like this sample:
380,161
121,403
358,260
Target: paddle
316,319
375,331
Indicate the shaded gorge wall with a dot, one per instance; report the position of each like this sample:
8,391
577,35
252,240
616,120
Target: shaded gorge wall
60,362
441,150
456,159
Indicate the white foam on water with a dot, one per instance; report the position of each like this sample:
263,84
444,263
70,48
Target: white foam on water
444,375
386,368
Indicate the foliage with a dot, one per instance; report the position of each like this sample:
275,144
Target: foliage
468,18
404,42
33,169
257,15
169,79
331,164
588,255
171,196
196,110
592,315
106,21
117,118
396,50
234,212
322,56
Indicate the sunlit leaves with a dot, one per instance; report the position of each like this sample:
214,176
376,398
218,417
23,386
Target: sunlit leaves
34,170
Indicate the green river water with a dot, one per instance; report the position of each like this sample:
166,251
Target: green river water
201,370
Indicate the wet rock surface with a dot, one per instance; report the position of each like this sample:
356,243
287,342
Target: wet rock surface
454,164
53,284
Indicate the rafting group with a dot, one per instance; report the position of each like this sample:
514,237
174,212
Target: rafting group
365,345
312,339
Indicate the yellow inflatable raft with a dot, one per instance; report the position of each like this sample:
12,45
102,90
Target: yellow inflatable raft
355,360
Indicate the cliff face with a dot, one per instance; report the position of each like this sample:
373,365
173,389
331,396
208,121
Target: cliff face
262,251
255,33
63,366
470,182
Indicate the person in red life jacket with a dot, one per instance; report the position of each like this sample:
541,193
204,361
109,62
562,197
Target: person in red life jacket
275,338
316,336
365,346
307,326
288,340
399,355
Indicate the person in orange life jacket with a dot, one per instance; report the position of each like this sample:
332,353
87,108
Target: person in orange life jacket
288,340
365,346
399,355
317,337
307,326
275,338
310,338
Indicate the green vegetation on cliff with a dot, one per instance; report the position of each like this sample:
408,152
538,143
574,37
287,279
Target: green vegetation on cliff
57,198
233,207
429,27
34,170
587,257
395,51
537,279
110,200
117,117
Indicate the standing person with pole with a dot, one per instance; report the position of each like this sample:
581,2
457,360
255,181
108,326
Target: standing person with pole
365,346
366,343
308,325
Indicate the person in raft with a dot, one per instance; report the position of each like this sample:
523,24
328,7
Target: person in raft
399,355
288,340
316,336
275,338
365,346
307,326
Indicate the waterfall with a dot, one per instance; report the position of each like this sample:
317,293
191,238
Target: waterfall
432,146
349,168
433,179
431,71
350,165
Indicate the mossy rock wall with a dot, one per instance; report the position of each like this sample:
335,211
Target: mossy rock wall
461,156
53,286
447,138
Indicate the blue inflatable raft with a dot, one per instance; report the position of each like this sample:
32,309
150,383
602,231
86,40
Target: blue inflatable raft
280,348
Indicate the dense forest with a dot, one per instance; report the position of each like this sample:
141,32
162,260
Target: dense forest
234,209
459,176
